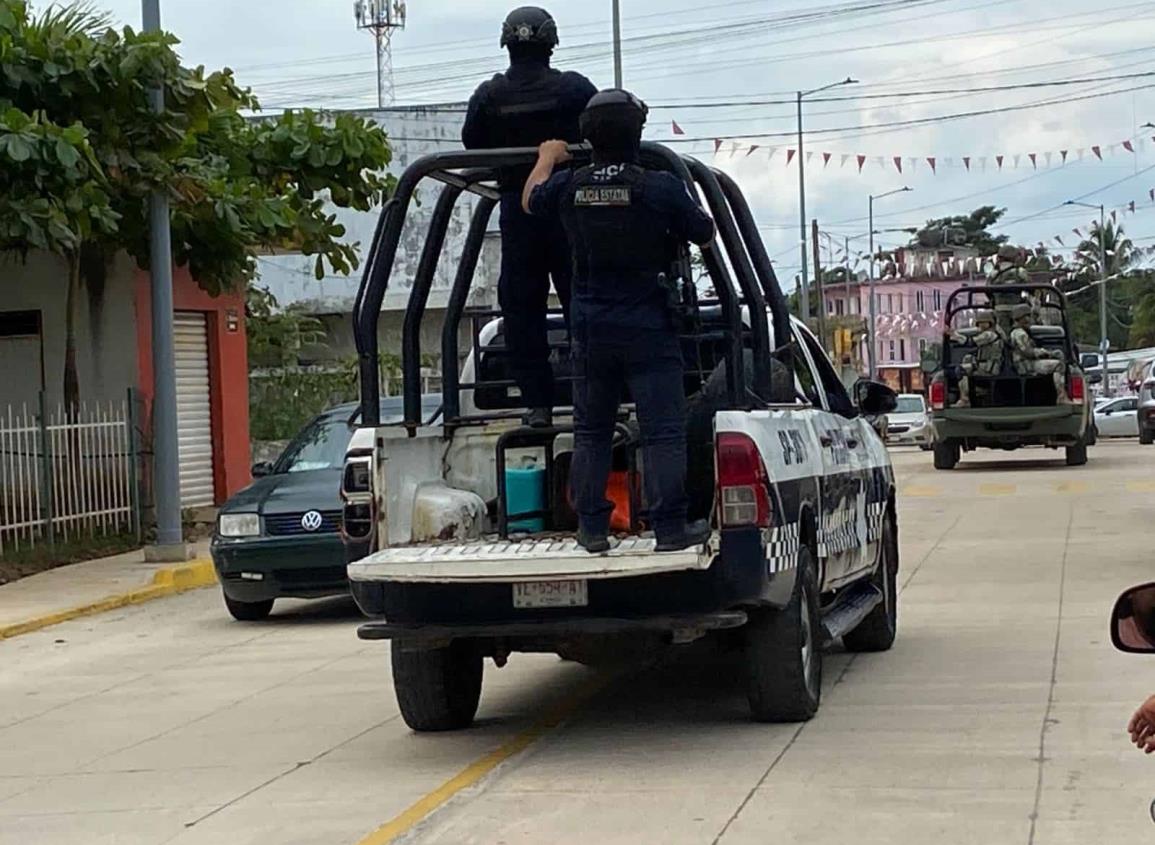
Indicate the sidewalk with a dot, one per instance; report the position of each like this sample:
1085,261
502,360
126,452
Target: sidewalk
82,589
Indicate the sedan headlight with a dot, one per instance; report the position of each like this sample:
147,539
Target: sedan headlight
239,525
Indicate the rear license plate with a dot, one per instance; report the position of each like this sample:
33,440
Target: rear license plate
551,594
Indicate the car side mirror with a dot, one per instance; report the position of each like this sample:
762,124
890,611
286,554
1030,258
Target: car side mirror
1133,620
261,469
874,398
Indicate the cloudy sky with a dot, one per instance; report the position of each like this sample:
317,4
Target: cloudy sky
684,57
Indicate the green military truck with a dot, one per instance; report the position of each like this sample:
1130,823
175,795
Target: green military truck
1008,375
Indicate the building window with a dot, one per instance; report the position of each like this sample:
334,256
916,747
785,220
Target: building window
919,301
938,300
921,346
890,303
902,349
840,307
830,306
890,344
854,305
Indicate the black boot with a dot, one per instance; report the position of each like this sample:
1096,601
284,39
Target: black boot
694,534
539,417
595,544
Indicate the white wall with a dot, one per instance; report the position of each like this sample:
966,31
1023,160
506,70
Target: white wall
106,340
413,132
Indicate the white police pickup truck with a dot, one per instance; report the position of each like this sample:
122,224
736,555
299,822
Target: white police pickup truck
789,468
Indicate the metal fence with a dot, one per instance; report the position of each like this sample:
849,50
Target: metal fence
67,475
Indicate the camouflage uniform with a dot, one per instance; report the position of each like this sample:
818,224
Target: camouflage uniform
1029,360
987,359
1007,268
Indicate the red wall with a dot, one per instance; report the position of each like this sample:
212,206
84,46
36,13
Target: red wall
228,372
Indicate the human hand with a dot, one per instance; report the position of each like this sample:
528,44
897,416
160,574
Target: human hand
555,151
1142,726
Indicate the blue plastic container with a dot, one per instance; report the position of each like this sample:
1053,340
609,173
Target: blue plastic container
525,493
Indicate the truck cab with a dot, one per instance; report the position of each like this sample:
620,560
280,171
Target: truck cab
459,532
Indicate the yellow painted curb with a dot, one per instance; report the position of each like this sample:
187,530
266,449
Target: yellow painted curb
477,770
165,582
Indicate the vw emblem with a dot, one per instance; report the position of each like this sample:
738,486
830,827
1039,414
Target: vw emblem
311,521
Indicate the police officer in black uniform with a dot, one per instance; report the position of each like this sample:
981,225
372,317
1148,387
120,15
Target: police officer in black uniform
529,103
625,225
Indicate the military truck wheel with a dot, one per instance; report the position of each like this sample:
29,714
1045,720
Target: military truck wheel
783,661
947,454
1146,436
438,689
876,632
249,611
1077,454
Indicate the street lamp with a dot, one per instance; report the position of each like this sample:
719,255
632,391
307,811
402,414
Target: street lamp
804,294
872,343
1104,344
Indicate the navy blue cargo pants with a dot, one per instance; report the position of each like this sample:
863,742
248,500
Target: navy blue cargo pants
649,362
533,250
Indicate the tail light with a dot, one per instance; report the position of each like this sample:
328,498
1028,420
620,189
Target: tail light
1077,389
743,484
938,395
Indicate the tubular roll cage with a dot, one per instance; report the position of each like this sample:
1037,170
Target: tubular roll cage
963,299
472,171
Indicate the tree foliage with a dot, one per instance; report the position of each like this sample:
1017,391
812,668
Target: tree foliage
81,150
970,230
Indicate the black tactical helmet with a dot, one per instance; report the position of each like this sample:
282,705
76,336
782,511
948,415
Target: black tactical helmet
529,25
615,110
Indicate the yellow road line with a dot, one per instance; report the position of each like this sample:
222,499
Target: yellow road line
477,770
165,582
921,490
997,489
1071,487
1141,486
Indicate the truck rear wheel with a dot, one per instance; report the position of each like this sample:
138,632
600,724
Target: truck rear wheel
946,454
1077,454
783,661
877,631
1146,436
438,689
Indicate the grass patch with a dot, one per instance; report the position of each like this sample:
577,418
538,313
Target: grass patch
19,563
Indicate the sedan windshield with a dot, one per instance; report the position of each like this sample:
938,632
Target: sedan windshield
321,445
909,405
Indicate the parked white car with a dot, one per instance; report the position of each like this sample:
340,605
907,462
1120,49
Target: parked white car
1118,417
910,423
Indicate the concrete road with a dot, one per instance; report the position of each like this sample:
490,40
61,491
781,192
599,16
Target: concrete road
997,718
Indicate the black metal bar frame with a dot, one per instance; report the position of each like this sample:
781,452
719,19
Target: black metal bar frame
735,223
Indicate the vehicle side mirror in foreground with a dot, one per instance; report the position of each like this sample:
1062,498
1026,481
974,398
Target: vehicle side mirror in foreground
874,398
1133,620
260,470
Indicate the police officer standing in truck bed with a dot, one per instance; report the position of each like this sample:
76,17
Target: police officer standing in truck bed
528,104
625,225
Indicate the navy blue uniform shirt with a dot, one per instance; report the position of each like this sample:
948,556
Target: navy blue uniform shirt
616,284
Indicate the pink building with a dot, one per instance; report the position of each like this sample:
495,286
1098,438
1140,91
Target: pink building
911,292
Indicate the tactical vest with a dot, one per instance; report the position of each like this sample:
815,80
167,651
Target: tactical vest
988,353
620,246
528,111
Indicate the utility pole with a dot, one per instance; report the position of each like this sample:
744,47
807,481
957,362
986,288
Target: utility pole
382,18
165,441
804,293
1104,341
617,44
818,285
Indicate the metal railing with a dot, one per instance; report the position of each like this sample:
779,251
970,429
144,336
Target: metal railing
68,474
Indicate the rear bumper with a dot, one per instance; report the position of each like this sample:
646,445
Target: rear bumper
737,575
258,568
1055,425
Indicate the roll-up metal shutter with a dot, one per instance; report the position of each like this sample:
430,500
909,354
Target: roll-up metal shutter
193,410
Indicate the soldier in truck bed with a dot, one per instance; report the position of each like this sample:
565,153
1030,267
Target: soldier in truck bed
529,103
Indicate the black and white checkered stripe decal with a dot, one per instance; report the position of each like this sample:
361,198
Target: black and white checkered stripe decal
782,547
838,532
875,514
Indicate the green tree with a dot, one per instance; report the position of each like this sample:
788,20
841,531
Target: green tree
972,230
81,150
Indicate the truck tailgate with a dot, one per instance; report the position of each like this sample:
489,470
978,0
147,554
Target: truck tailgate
488,561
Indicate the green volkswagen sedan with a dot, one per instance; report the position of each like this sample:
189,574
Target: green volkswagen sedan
281,535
